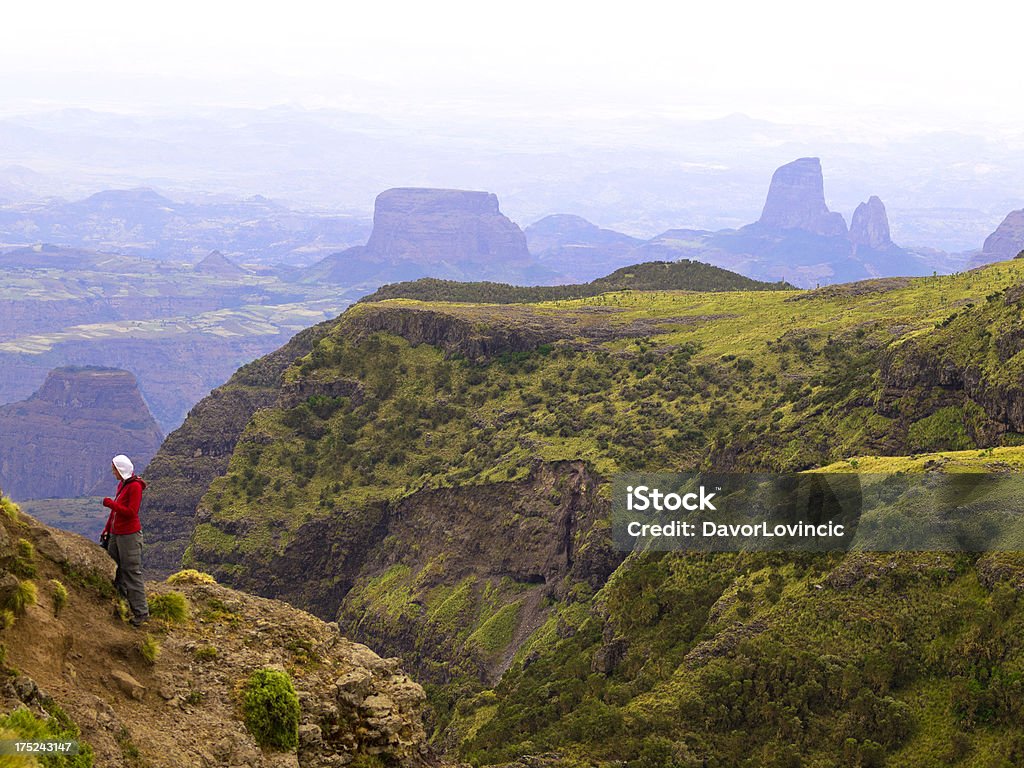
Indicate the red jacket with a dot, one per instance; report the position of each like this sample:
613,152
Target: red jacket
124,507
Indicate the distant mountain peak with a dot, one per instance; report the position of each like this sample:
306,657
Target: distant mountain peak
1007,240
870,224
138,195
216,263
796,200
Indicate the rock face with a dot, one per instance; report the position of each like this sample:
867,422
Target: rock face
432,232
438,225
216,263
870,225
58,443
796,200
1008,239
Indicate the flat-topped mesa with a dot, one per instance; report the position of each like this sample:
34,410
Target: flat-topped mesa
796,200
430,226
59,441
870,225
1008,239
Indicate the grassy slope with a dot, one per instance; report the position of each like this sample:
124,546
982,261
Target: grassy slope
673,380
652,275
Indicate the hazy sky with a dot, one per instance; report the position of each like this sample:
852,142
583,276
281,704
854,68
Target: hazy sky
813,61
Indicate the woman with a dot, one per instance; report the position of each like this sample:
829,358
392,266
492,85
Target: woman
122,537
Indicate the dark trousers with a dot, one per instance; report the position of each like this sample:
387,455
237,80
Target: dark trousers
126,549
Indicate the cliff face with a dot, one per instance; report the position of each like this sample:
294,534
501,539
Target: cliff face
441,232
870,225
509,550
184,707
1008,239
59,442
796,200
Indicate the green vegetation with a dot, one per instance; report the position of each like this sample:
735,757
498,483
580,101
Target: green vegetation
190,576
271,709
9,508
889,661
7,618
22,597
683,275
678,660
59,595
24,564
172,607
149,649
22,724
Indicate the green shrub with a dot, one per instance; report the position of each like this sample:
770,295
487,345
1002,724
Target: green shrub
271,709
191,576
9,508
149,648
172,607
25,726
22,597
25,559
6,618
60,596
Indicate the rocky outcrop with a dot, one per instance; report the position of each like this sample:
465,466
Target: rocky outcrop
58,443
483,337
796,200
183,707
435,232
1008,239
870,225
437,225
216,263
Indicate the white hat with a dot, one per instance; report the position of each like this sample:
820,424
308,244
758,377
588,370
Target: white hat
124,466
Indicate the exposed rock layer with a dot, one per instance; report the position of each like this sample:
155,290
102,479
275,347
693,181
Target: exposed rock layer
796,200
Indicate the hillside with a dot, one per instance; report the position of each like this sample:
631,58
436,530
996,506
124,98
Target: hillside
170,695
435,476
681,275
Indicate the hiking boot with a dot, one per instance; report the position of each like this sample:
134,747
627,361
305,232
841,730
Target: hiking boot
138,621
